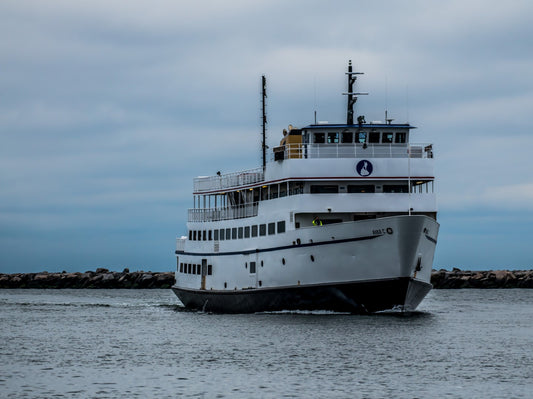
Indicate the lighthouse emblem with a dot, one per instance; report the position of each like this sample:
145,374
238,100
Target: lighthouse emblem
364,168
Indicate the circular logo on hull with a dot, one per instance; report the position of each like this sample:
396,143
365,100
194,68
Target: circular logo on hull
364,168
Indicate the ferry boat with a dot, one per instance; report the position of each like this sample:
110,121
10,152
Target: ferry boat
340,217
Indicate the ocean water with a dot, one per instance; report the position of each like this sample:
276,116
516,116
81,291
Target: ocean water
142,344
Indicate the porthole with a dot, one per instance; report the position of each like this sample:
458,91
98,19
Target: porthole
298,241
283,260
261,263
389,230
246,265
225,285
260,283
312,258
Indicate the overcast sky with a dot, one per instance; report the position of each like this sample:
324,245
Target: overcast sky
108,109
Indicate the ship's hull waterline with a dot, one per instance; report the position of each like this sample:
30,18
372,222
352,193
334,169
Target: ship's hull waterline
357,272
355,297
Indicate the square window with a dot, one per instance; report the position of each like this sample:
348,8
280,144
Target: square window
252,267
333,138
271,228
262,229
347,137
209,270
400,138
319,138
387,138
373,137
281,227
193,269
254,230
247,232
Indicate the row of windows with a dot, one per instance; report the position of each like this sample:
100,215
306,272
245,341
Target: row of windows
360,137
189,268
235,233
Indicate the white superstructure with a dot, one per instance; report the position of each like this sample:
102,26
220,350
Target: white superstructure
343,217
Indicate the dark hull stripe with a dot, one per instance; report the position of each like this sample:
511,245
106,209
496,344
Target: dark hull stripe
355,297
258,250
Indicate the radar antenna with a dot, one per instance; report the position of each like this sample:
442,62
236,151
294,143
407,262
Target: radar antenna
352,97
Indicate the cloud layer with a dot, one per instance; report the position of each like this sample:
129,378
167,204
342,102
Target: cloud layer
108,110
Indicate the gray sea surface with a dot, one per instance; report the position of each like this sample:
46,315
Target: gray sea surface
142,344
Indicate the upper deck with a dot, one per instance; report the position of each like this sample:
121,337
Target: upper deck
323,141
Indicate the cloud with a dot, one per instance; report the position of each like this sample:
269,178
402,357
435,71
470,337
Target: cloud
109,109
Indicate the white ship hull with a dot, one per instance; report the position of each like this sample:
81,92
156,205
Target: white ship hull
362,266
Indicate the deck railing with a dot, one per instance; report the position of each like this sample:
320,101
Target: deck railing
215,214
295,151
229,180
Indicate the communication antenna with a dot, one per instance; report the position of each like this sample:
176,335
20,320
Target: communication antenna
263,103
352,97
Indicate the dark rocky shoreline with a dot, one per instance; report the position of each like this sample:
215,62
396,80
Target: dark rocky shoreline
103,278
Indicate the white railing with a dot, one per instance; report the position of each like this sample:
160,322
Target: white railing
295,151
180,243
215,214
229,180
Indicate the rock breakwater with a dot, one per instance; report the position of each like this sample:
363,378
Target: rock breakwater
457,278
101,278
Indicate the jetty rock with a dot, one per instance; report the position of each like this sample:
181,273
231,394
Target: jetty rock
101,278
457,278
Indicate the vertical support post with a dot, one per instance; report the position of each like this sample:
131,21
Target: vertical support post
263,103
351,101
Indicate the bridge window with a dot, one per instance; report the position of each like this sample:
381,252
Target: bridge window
346,137
362,137
271,228
373,137
222,235
333,138
234,233
319,138
190,235
400,138
281,227
254,230
247,232
228,234
387,138
210,235
241,232
262,229
216,235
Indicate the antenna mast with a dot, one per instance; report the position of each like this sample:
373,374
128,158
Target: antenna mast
352,97
263,103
